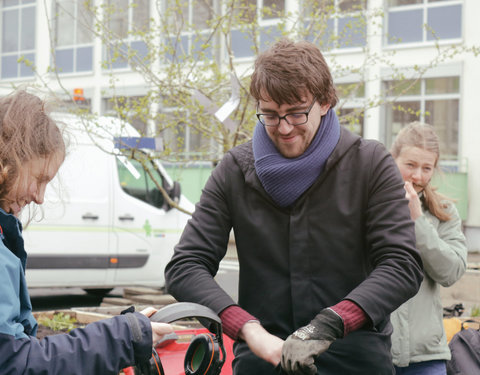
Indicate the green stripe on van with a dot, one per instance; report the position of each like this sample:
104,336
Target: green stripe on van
45,228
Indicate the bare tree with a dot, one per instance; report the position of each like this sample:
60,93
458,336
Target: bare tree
189,56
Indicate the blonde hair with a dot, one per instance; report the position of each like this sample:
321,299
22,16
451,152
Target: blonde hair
27,132
421,135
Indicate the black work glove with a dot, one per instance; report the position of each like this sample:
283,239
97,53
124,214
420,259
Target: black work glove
306,343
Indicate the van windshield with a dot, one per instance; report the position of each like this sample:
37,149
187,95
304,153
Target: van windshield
136,182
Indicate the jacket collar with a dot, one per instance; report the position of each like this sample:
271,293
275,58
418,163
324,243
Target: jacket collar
11,235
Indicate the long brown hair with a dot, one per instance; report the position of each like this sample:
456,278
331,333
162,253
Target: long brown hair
421,135
27,132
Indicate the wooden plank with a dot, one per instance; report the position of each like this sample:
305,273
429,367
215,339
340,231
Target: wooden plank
118,301
154,299
133,291
85,317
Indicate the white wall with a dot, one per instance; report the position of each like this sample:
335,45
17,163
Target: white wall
470,123
97,84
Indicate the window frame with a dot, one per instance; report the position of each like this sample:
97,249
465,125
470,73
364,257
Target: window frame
125,45
75,47
186,154
185,38
353,102
23,71
124,102
422,98
424,6
268,33
337,45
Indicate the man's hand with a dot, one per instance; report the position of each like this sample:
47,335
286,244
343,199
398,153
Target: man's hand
306,343
262,343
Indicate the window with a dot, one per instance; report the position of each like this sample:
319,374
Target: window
350,110
335,24
18,38
140,185
186,142
431,100
134,109
73,37
126,21
416,21
190,33
244,38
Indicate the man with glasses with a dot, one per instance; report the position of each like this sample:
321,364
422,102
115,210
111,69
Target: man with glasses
325,243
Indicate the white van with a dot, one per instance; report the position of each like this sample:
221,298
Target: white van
105,223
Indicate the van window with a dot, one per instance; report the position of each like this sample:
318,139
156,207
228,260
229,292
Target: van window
140,185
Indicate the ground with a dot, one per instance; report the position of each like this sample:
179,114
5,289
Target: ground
45,331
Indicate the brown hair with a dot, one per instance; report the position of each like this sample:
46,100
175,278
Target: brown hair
27,132
288,70
417,134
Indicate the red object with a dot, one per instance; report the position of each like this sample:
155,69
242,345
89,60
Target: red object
129,371
173,354
233,318
78,95
352,315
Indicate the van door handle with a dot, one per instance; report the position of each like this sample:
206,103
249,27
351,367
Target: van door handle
126,217
89,216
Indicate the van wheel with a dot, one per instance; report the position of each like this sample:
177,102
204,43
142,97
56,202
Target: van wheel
98,292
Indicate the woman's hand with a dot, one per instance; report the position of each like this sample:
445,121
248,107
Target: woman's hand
414,203
158,329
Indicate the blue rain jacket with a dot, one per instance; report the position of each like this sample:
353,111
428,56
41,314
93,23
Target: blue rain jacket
103,347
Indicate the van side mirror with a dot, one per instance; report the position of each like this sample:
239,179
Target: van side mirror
174,193
155,198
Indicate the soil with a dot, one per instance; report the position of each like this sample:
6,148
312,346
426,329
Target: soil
45,331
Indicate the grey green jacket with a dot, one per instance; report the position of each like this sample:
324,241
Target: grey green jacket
418,324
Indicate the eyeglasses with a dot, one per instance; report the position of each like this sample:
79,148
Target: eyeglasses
299,118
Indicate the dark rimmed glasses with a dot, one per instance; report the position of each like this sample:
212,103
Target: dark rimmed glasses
298,118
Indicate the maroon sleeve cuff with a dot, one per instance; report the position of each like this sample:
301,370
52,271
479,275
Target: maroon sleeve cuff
353,316
233,318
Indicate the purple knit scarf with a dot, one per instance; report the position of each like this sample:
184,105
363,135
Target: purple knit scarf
285,179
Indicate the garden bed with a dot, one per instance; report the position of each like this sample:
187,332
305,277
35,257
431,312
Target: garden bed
55,322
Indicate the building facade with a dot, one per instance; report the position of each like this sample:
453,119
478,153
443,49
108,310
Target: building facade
407,60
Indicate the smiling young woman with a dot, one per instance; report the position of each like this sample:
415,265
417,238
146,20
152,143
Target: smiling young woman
419,344
31,152
416,151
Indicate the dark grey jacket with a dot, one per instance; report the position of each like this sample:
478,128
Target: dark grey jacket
348,236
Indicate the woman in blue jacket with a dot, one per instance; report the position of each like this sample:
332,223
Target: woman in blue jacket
31,152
